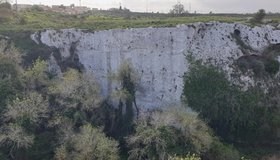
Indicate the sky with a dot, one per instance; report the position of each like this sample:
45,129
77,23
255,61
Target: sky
201,6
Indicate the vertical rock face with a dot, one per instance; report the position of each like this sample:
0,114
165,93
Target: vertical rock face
158,54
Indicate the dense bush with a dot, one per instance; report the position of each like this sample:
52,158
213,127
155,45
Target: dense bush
272,66
10,73
36,76
10,80
237,116
171,132
88,143
221,151
21,20
35,107
75,90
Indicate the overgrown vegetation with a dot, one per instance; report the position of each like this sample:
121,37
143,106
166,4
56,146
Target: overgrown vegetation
62,116
45,112
240,117
171,132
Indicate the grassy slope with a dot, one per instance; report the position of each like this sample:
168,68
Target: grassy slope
101,21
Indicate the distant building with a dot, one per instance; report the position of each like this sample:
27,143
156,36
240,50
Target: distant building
56,8
45,7
80,9
70,9
22,7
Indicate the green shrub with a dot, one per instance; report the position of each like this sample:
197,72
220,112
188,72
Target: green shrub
235,115
272,66
36,76
173,131
205,91
31,109
43,147
261,65
88,143
76,90
22,20
10,83
220,151
3,156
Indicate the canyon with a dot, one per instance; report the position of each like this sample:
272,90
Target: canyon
159,55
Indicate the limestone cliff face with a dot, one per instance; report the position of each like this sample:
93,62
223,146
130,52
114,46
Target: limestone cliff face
158,54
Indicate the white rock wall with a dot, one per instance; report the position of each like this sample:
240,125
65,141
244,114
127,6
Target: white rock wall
158,54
